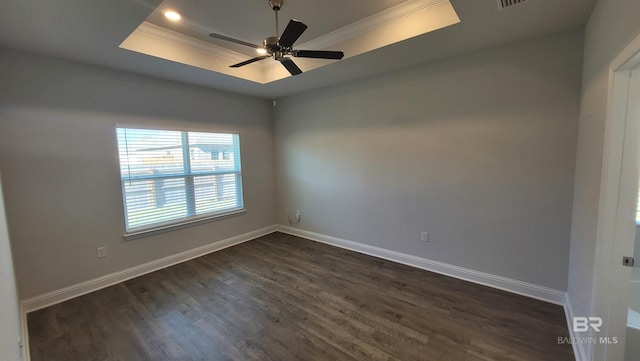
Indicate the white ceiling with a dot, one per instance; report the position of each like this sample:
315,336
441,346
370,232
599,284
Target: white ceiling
258,20
90,31
186,41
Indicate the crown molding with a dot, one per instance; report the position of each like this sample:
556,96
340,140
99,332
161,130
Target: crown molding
412,17
174,37
369,23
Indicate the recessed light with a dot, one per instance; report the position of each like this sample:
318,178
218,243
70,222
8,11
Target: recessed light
261,51
172,15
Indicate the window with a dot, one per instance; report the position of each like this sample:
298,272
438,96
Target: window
174,177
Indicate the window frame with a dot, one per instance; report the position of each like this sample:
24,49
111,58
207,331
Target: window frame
190,201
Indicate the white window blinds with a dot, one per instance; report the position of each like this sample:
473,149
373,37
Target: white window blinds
171,177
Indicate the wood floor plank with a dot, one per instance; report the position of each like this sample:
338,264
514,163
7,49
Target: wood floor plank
284,298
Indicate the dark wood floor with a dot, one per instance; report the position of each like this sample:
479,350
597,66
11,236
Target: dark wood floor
284,298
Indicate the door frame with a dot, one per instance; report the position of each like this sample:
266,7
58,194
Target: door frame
618,188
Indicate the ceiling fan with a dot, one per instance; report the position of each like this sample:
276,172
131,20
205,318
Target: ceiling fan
279,47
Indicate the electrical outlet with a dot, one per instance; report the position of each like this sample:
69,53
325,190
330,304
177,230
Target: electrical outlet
102,252
298,215
424,236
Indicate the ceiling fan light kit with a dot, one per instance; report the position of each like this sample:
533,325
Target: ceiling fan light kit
280,48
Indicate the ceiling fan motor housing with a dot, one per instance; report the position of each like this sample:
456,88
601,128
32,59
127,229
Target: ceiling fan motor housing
279,47
271,44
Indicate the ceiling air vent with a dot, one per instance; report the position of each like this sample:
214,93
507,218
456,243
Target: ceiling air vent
505,4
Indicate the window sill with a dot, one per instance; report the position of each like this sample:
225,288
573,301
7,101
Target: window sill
183,224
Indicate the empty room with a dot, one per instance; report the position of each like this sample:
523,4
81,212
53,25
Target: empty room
434,180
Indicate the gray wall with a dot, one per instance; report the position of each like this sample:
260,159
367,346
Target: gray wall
9,311
58,155
478,150
611,27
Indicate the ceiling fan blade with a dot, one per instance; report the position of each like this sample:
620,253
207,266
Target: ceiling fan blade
241,42
291,33
250,61
318,54
290,65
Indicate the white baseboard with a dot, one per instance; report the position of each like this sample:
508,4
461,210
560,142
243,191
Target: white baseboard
24,335
51,298
506,284
579,349
499,282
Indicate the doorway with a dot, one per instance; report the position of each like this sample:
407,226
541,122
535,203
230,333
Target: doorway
617,279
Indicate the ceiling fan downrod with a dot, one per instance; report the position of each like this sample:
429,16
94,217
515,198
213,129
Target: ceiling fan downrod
276,5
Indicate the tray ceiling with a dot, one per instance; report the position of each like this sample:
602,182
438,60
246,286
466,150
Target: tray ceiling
90,32
354,27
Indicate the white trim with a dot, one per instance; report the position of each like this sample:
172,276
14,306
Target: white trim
176,128
170,36
502,283
356,28
607,244
157,41
61,295
371,22
625,60
182,223
579,348
24,334
486,279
